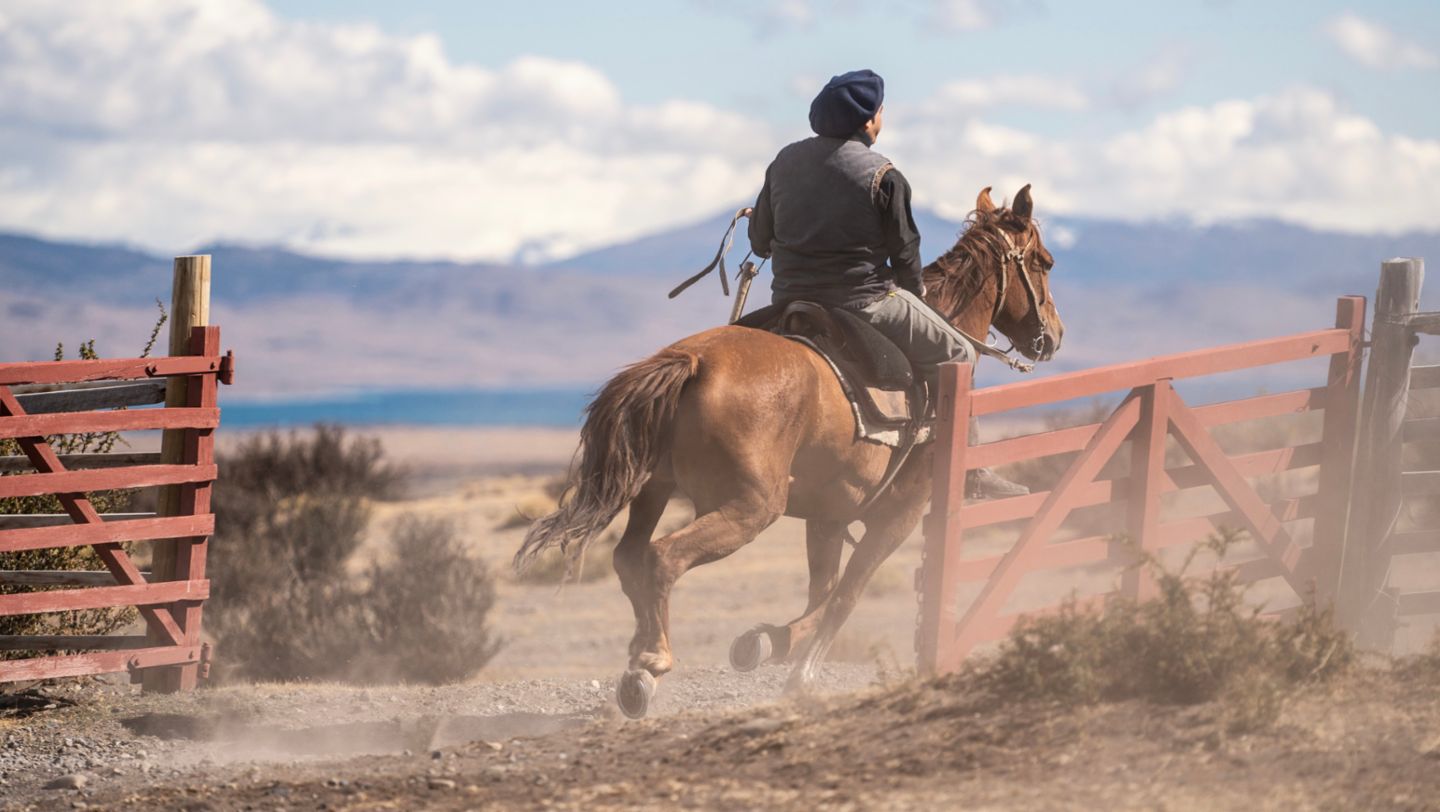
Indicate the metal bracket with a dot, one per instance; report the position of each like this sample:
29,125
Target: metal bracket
227,368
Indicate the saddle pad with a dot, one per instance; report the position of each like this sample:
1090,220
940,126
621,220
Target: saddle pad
881,415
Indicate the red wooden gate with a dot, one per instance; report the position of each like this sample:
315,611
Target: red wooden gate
171,608
953,624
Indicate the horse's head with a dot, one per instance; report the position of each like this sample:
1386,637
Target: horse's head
998,276
1026,314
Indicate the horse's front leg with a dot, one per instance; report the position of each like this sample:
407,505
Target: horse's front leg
887,524
824,547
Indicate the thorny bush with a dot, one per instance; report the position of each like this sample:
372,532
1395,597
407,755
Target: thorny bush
1198,640
290,601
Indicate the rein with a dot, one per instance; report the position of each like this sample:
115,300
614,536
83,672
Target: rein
719,260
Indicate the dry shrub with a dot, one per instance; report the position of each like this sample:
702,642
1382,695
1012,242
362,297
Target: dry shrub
424,611
1197,641
291,512
1425,666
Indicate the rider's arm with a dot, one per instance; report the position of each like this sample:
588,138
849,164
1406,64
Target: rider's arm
902,239
762,222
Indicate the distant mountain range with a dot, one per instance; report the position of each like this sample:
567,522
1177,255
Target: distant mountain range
315,326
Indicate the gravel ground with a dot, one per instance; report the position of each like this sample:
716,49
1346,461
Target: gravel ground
1370,741
104,735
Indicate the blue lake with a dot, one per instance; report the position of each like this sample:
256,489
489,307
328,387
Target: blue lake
499,407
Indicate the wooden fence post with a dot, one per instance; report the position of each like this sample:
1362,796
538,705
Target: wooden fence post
938,577
189,308
1142,494
1364,606
1337,465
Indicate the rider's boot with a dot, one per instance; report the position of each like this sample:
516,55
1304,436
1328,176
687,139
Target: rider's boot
984,483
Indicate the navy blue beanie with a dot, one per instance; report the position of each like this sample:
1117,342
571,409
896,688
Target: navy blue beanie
847,102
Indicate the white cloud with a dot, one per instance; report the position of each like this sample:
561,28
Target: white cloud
955,16
1296,156
1154,78
1037,91
170,123
1376,46
769,17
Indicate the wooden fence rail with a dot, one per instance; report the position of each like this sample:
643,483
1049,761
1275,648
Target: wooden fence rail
964,599
32,412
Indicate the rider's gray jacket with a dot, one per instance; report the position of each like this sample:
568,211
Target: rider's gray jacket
831,214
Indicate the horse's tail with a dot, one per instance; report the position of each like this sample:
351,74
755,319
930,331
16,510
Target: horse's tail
624,435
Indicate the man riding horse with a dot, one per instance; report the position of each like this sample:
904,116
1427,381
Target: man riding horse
751,425
832,211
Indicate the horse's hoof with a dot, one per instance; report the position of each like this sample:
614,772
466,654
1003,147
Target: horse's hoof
634,693
750,650
800,684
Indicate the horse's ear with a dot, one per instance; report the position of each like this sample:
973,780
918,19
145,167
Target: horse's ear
1023,205
983,203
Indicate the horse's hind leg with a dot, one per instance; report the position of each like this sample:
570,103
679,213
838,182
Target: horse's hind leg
710,537
824,547
630,553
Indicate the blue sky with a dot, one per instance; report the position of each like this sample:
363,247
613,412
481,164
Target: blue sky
526,131
746,55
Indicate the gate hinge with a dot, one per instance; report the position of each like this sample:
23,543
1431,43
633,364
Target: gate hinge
227,368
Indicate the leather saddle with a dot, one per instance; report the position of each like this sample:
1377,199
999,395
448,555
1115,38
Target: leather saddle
875,374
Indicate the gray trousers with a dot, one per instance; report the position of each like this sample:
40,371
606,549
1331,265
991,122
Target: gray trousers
925,337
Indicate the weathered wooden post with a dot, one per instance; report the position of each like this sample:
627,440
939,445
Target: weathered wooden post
189,308
1364,605
938,578
1337,465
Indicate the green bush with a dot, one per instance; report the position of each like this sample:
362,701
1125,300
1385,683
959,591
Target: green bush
1196,641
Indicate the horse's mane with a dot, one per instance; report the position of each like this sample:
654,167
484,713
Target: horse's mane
961,273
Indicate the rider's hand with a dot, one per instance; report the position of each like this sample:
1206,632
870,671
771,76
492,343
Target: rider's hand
747,212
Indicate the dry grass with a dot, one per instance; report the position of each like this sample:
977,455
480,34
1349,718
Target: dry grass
527,509
550,567
1198,641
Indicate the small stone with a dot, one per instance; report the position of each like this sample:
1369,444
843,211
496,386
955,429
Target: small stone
71,781
437,754
496,746
761,727
441,783
595,683
1431,749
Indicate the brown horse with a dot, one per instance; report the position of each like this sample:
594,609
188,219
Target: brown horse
751,426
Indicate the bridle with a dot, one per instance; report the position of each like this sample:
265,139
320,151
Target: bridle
1018,256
